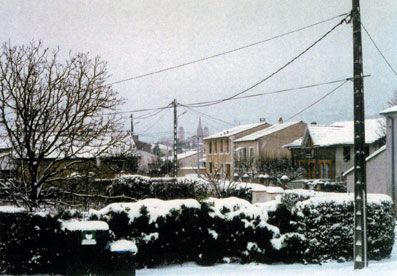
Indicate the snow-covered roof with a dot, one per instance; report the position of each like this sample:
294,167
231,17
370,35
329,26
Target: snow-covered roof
389,110
294,144
233,131
264,132
182,155
339,133
373,155
162,147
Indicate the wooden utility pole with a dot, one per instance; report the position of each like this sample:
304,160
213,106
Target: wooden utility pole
175,139
360,184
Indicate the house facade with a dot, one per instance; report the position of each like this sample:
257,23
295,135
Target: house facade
220,150
376,174
326,152
381,173
268,142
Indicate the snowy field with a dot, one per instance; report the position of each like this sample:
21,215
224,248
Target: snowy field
386,267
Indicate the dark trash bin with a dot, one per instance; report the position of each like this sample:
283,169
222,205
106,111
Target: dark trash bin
122,257
86,248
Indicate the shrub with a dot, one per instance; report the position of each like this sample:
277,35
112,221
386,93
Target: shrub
326,221
30,244
141,187
177,231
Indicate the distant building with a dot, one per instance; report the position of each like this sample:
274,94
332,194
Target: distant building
220,148
326,152
206,132
181,134
267,142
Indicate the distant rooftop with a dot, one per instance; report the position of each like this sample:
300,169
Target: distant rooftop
264,132
389,110
233,131
340,133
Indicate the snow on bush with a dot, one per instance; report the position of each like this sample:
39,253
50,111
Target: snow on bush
326,220
139,187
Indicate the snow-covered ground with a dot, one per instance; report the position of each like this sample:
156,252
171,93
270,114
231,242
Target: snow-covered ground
385,267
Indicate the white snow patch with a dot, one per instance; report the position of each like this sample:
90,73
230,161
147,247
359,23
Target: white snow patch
123,246
150,237
11,209
213,233
156,208
236,207
85,225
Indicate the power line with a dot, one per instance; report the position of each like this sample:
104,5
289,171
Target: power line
227,52
209,116
281,68
377,48
206,103
202,104
149,116
317,101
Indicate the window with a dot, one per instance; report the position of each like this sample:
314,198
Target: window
309,153
210,166
227,146
252,153
221,146
346,154
325,169
216,146
210,147
244,152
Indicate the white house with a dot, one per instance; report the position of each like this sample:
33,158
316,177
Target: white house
381,165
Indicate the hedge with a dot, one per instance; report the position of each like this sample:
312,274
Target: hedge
326,221
177,231
302,226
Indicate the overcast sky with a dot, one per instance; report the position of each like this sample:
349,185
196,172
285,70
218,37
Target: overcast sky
138,37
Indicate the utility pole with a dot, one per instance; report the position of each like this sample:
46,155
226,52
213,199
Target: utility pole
360,185
175,139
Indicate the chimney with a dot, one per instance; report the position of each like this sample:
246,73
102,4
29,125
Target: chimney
280,121
262,120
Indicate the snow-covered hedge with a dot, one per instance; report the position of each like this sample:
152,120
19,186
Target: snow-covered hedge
141,187
302,226
30,243
177,231
326,222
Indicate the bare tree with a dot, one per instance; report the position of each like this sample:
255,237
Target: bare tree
54,114
393,99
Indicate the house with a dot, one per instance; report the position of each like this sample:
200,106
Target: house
7,165
381,165
326,152
267,142
187,162
220,147
375,173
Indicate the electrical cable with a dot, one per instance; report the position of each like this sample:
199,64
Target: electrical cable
202,104
317,101
227,52
281,68
209,116
380,52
